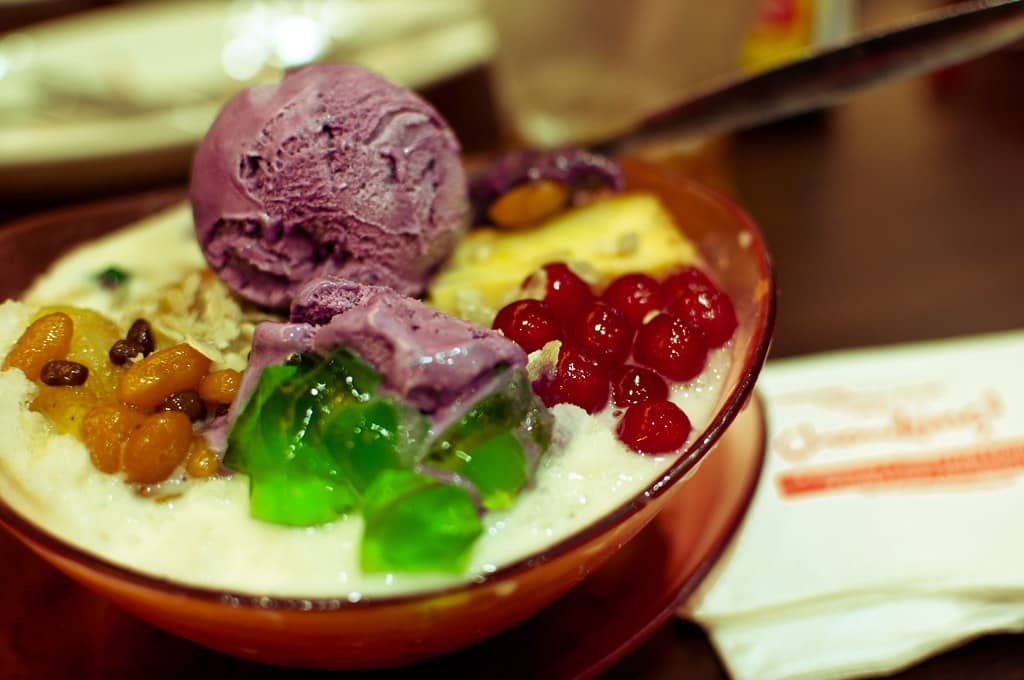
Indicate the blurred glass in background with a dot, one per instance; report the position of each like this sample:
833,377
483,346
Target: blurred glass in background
576,70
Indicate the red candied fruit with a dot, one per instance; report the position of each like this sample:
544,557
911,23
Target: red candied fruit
529,323
685,281
710,310
578,380
566,292
635,295
672,347
635,385
694,297
654,427
602,333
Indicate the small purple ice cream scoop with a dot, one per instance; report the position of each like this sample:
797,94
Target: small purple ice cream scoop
332,171
434,361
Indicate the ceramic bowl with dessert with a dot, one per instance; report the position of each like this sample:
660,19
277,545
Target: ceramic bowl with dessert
352,408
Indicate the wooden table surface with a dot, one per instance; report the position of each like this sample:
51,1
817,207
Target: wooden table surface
896,217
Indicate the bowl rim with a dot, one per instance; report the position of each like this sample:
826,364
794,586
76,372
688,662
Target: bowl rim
685,461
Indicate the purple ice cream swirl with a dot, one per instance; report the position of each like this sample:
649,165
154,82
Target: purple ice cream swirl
435,362
333,171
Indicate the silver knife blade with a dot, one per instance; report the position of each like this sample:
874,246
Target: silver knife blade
935,40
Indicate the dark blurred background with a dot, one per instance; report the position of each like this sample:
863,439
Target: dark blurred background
894,217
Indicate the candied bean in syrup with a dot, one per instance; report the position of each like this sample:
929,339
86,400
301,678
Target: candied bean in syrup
63,373
529,204
148,382
46,339
105,429
156,447
202,460
142,334
123,351
188,402
220,387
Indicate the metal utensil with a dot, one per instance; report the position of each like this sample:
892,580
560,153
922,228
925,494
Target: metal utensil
935,40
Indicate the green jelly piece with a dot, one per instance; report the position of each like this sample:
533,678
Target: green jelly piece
486,444
313,437
340,379
497,469
415,523
366,439
298,500
246,441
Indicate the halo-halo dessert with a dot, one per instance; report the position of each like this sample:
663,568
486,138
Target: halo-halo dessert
523,443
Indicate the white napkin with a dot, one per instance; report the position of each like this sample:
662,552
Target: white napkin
884,528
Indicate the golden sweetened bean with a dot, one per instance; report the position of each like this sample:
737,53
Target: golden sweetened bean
92,337
157,447
105,431
220,387
202,461
176,369
528,204
46,339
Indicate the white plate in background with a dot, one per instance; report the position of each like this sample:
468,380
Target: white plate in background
126,92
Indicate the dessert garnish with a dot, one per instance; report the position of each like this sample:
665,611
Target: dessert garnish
135,417
523,188
619,234
666,327
332,171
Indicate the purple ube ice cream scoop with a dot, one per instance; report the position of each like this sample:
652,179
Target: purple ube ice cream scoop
333,171
434,361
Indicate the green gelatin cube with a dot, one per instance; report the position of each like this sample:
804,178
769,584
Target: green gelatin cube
325,388
511,405
366,439
486,444
247,441
298,500
497,469
348,377
313,438
415,523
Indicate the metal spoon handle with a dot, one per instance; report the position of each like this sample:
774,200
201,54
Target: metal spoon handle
938,39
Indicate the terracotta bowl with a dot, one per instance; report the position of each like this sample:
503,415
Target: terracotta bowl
386,632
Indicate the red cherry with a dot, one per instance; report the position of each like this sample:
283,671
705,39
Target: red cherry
578,380
695,297
635,295
566,292
686,280
635,385
672,347
710,310
654,427
602,333
529,323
